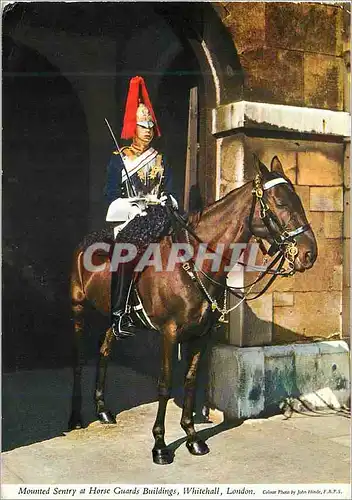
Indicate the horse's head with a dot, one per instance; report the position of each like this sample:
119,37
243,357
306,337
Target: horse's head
279,218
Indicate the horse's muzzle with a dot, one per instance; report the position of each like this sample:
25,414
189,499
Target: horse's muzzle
305,260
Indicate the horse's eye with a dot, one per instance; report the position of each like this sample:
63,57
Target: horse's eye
281,204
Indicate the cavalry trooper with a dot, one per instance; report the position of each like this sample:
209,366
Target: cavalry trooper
135,173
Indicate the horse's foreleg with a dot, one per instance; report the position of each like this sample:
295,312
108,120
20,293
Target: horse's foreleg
75,421
195,445
161,454
104,415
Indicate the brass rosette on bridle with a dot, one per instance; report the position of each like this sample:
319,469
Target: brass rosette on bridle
290,253
259,192
258,189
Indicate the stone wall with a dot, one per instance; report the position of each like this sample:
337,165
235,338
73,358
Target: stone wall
292,53
295,54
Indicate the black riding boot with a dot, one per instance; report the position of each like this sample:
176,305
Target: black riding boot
121,321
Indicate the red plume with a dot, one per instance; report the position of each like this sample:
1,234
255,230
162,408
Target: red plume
137,92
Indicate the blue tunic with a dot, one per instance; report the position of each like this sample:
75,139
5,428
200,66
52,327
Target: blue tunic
149,175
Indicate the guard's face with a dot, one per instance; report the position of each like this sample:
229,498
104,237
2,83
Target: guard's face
144,134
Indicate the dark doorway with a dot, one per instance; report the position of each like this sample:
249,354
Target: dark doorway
45,204
46,156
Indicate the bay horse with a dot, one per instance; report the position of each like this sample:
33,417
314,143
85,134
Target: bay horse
177,305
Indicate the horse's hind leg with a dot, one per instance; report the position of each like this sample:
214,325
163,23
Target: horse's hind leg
195,445
75,421
104,415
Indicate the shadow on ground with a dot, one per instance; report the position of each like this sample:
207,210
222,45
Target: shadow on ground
36,403
208,433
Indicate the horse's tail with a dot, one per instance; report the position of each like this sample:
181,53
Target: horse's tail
77,299
77,284
77,291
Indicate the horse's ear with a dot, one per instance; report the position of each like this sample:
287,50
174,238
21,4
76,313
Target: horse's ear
263,169
260,167
276,166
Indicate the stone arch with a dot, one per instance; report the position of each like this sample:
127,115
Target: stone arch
75,57
199,27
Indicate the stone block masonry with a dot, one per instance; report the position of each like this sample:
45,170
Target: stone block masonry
290,52
256,381
326,199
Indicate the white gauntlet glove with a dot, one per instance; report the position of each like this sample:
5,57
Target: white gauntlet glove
163,199
152,199
174,203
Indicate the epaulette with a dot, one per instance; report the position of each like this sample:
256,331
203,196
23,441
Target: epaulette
159,159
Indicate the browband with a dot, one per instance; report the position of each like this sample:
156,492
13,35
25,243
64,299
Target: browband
274,182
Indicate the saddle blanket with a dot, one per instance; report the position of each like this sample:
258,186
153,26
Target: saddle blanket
140,231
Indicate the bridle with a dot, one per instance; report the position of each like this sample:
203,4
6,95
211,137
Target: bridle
284,245
283,240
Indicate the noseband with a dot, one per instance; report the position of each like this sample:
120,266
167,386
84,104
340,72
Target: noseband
283,240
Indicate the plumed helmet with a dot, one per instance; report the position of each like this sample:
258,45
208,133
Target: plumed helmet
138,109
144,117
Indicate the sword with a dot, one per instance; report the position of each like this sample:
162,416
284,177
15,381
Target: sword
131,186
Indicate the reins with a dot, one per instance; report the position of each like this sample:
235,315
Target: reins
232,289
284,245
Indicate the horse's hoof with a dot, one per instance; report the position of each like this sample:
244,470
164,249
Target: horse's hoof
74,423
106,417
162,456
198,447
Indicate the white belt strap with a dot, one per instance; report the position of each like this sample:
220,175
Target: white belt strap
140,311
133,166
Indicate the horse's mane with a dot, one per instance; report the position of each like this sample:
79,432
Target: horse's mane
105,234
194,218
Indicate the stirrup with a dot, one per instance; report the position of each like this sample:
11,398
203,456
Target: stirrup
117,328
